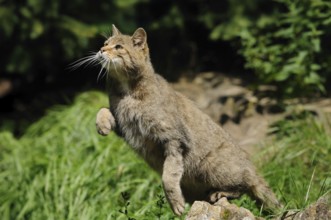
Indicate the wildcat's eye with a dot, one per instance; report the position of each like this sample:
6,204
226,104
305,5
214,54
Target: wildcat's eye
117,47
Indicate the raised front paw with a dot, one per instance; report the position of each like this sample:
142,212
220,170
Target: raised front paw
104,121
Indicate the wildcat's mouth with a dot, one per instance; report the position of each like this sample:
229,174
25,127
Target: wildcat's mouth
107,62
102,58
111,65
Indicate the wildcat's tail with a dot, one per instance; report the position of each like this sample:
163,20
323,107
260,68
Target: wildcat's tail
261,192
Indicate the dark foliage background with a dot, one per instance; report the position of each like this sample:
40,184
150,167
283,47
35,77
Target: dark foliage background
285,43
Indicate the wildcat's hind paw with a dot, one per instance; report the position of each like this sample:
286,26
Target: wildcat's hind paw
104,121
215,196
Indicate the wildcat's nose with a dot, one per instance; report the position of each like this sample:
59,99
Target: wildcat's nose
103,49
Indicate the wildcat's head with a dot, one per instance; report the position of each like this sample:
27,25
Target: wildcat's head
123,56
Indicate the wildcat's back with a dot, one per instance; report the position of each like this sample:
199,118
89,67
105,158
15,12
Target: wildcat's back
196,158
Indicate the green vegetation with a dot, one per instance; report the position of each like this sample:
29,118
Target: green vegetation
298,163
62,169
283,42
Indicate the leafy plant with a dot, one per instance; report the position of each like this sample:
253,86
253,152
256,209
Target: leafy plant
286,47
62,169
125,209
284,42
299,160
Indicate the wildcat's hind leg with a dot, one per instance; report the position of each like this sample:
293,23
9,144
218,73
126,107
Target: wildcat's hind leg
214,196
105,121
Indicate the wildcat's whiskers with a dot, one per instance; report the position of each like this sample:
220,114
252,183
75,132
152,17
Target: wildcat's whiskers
104,68
94,59
90,60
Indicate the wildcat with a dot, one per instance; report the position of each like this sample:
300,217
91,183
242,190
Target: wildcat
196,158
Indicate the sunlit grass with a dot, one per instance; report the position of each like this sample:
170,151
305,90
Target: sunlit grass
62,169
297,164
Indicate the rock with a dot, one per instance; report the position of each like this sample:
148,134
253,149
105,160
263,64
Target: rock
222,210
318,210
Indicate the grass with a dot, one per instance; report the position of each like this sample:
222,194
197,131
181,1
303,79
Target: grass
298,163
62,169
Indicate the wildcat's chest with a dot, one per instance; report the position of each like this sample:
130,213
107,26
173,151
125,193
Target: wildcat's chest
137,125
133,121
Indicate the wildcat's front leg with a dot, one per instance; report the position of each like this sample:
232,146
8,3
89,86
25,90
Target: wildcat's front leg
105,121
173,169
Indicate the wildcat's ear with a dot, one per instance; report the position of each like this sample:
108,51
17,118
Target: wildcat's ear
139,38
115,31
